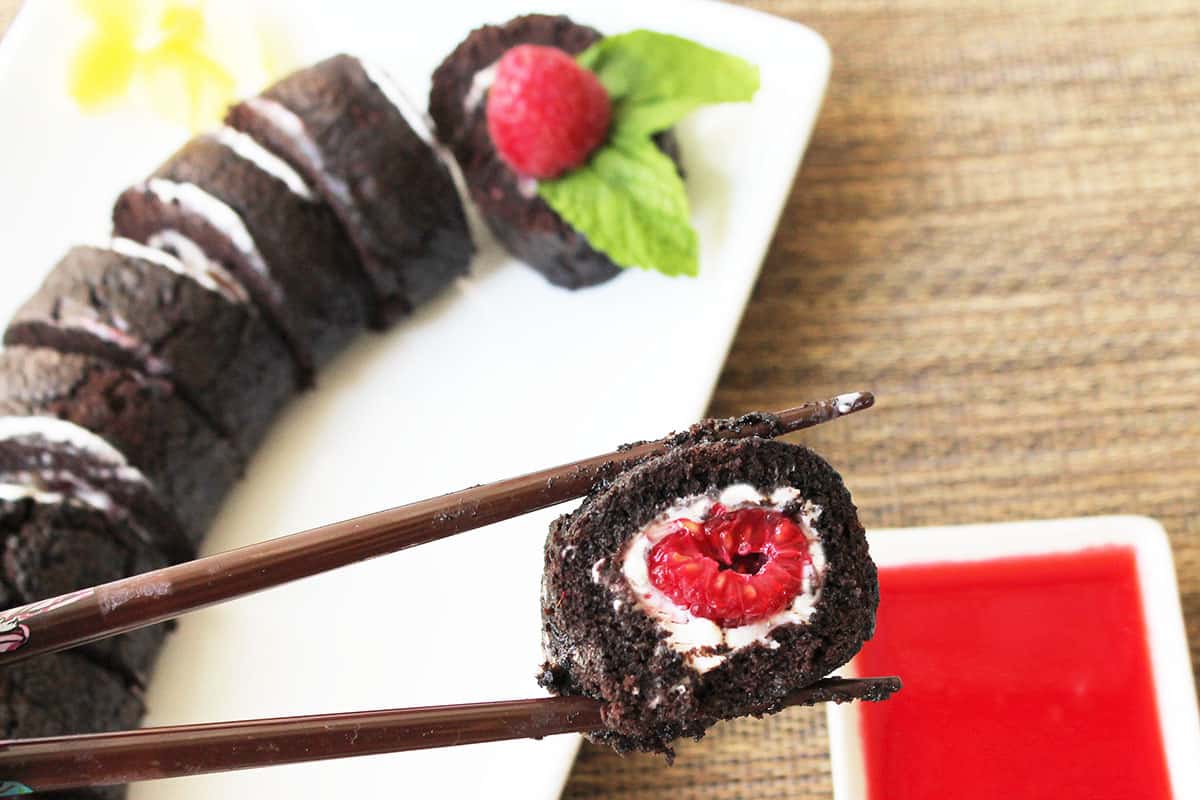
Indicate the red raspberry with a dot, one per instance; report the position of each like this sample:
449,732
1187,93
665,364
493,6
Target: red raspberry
545,113
734,568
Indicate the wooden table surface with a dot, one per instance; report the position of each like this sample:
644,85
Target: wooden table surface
995,229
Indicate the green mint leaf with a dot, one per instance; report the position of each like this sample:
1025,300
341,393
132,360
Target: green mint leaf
655,79
628,199
630,203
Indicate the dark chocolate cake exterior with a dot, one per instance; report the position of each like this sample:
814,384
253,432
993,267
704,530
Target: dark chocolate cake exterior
34,690
66,693
56,457
52,544
286,249
603,639
140,416
143,310
352,135
522,221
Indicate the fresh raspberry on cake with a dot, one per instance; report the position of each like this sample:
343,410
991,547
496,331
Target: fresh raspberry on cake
545,113
734,568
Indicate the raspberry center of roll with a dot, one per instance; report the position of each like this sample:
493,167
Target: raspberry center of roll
735,567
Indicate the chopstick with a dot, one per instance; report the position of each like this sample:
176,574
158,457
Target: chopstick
64,762
135,602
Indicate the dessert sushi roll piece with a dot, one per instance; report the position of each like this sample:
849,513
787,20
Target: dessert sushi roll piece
519,218
369,153
223,198
65,693
189,323
54,543
137,415
57,458
705,584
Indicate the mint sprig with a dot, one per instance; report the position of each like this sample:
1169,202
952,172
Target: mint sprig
628,199
630,203
654,79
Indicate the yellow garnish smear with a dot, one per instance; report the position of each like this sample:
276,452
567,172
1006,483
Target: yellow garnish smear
167,55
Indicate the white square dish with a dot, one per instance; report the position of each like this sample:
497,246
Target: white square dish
1174,687
501,375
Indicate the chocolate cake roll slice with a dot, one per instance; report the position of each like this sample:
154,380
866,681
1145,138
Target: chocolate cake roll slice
705,584
223,198
53,543
139,416
58,458
145,309
65,693
349,130
519,218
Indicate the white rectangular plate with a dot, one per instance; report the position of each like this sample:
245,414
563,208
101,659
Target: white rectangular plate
1171,663
502,375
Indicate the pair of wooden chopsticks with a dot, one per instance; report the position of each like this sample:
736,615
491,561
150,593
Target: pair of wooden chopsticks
124,605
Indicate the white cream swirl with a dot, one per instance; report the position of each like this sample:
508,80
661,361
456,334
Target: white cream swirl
703,643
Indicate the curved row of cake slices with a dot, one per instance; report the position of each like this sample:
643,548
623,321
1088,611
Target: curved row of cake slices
250,258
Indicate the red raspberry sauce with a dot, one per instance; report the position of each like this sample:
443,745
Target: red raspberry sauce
1023,678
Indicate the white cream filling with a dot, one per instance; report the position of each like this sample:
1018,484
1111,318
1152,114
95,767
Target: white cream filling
284,120
195,200
480,83
198,266
62,432
194,263
696,637
82,317
13,492
79,493
527,187
101,501
132,249
281,117
419,121
416,119
250,150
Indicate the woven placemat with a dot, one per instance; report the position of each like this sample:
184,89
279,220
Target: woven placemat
994,230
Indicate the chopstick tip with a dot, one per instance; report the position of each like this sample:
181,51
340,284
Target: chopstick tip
852,401
814,413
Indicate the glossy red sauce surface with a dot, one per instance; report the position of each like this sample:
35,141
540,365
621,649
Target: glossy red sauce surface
1023,678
